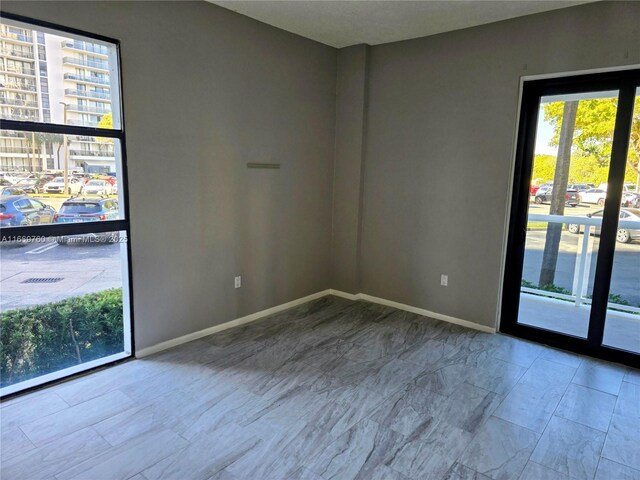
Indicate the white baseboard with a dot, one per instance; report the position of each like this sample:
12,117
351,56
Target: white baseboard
144,352
409,308
427,313
348,296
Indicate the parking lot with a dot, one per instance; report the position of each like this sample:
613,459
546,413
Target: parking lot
87,268
75,269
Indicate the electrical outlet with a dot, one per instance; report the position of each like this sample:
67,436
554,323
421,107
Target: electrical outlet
444,280
238,282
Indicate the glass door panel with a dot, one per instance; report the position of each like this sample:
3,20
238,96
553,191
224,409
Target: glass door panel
566,202
622,324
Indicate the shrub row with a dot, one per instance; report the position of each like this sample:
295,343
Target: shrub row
38,340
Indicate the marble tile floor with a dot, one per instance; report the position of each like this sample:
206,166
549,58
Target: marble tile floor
334,389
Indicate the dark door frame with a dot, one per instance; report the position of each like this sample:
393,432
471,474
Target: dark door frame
626,82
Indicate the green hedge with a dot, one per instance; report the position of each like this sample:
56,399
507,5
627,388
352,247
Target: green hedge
42,339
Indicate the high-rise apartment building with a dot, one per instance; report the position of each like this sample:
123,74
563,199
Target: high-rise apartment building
49,78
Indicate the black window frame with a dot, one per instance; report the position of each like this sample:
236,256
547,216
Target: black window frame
61,229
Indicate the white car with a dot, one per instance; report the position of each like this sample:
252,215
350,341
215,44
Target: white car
593,195
97,187
57,186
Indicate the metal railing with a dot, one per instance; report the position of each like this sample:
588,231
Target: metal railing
18,102
87,109
16,36
9,133
17,70
82,123
91,153
86,63
87,93
5,149
88,79
85,46
19,86
16,53
23,118
582,270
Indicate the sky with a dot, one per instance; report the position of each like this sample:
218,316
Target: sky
544,134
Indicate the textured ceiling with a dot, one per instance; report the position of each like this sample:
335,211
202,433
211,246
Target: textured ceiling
344,23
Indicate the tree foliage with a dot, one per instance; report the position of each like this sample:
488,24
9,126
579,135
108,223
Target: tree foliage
593,136
581,170
42,339
106,121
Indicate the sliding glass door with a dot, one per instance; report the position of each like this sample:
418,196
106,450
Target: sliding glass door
572,277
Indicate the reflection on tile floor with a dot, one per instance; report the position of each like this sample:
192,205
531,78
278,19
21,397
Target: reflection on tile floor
334,389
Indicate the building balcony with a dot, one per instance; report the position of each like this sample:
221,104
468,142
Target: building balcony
18,149
22,87
87,109
11,134
91,153
85,47
87,93
10,52
85,79
20,117
20,37
80,123
18,103
83,138
96,64
17,71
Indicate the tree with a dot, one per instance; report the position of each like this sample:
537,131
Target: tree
560,181
106,121
595,121
51,139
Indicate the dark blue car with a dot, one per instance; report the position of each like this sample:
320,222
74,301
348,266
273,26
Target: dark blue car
16,210
80,210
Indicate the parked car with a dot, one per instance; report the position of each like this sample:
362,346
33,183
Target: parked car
33,186
97,187
77,210
11,191
544,195
624,235
19,210
631,200
5,183
626,187
11,177
580,187
83,177
57,186
594,195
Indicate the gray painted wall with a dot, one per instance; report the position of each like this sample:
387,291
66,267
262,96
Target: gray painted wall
205,91
440,144
351,101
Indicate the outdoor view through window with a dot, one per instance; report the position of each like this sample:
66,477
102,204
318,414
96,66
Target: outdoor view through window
64,253
568,196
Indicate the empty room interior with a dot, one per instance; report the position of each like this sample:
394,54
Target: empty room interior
320,240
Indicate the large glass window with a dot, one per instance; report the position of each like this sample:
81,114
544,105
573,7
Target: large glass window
64,254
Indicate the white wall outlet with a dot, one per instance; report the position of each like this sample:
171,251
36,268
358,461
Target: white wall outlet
444,280
238,282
